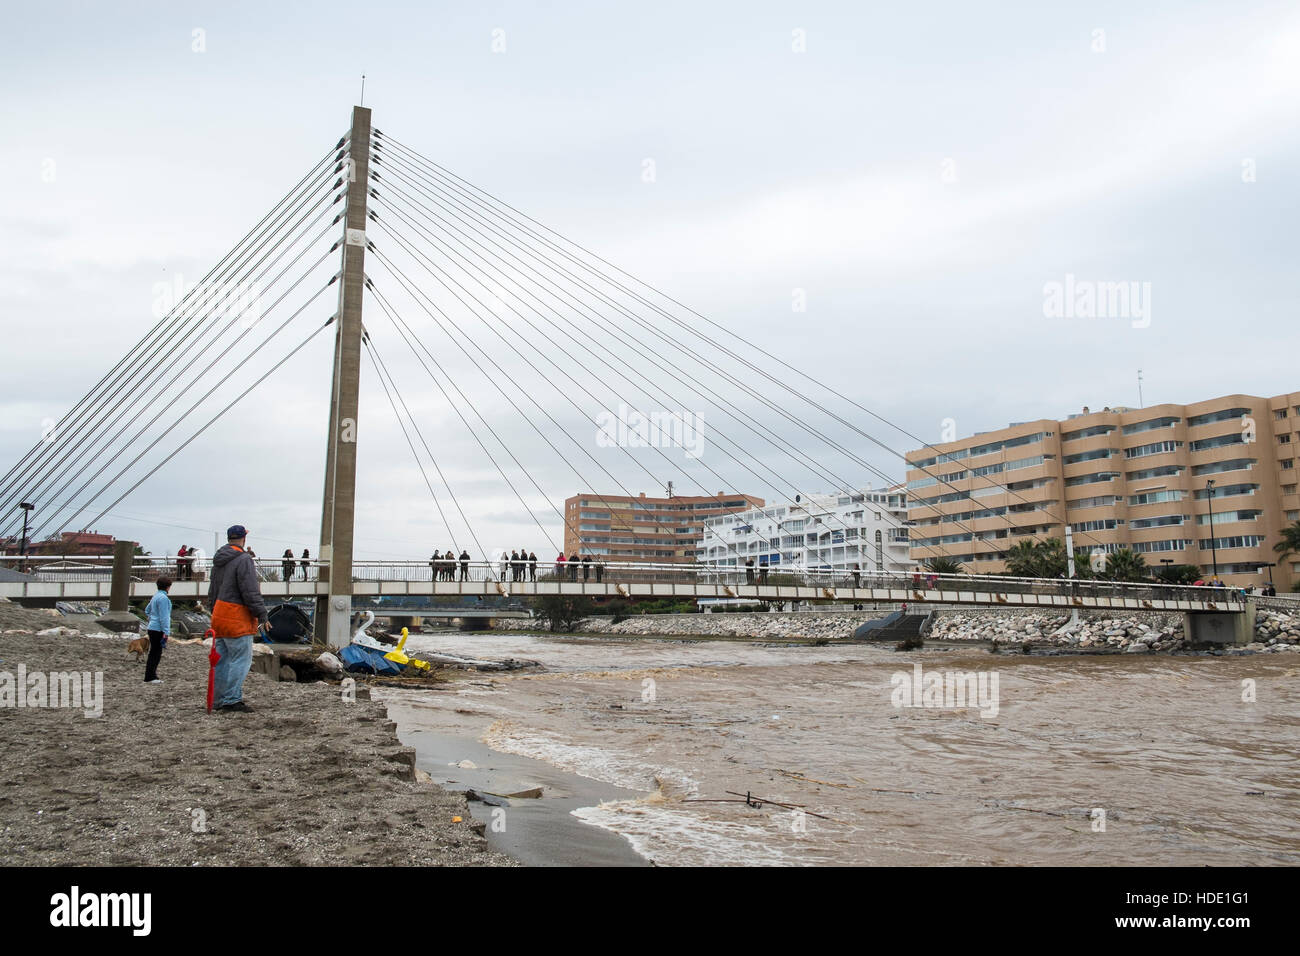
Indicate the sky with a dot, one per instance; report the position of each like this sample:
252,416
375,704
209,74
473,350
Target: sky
879,195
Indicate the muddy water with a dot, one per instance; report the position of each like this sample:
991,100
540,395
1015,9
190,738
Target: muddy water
1186,772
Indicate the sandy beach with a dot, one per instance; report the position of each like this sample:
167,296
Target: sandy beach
306,779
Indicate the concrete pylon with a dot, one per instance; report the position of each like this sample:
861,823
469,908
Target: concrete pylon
119,616
334,610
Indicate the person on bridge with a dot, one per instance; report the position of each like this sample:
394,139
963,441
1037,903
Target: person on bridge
600,570
749,570
464,565
559,566
586,567
523,565
573,566
505,565
532,567
514,566
180,562
305,563
286,564
857,575
238,614
450,566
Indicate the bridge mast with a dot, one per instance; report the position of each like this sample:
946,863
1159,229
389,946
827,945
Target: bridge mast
334,612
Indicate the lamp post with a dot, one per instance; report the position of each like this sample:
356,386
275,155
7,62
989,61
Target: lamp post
1214,549
27,507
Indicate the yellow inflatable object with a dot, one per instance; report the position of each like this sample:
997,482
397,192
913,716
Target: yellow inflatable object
397,657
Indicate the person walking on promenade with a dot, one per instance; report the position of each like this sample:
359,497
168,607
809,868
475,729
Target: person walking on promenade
573,566
532,567
464,565
238,614
160,628
305,563
286,564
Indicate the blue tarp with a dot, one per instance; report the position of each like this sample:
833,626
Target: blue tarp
363,660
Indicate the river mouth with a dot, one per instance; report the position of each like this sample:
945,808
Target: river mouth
1114,760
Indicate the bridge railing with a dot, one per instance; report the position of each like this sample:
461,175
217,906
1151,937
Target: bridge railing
918,585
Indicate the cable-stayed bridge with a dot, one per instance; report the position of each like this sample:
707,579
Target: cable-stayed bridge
448,272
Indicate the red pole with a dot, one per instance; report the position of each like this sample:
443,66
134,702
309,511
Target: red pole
213,657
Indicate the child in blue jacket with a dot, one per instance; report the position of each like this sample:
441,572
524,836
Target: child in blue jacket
160,627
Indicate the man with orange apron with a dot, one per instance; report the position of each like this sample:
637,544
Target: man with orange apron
238,613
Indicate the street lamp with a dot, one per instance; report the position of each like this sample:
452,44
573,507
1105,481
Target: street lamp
27,509
1214,549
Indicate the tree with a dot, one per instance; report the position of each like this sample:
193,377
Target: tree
1177,573
1126,565
562,612
1290,543
944,566
1037,559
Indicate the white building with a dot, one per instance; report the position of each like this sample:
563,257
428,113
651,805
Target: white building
831,532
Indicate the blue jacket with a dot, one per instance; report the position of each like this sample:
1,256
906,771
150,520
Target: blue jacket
160,613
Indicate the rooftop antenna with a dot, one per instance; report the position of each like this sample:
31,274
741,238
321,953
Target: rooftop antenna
670,489
1140,405
363,90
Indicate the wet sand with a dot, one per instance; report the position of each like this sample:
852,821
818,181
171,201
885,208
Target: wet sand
307,779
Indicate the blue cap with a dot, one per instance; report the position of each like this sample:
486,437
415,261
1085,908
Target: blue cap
236,531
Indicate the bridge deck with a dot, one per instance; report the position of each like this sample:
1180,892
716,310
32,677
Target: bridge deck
191,590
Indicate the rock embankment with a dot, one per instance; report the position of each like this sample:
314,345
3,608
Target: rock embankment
1134,634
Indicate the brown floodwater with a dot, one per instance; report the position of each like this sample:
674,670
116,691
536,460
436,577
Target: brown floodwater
1118,760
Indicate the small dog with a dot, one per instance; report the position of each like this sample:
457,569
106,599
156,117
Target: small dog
138,646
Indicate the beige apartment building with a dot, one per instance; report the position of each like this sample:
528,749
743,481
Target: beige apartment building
1121,478
643,529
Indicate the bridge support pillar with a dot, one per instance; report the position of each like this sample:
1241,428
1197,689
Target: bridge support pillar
119,616
1220,627
333,622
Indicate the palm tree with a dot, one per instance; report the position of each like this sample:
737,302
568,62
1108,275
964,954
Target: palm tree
1290,543
1126,565
1022,560
944,566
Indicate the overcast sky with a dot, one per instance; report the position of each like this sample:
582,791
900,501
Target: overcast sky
914,174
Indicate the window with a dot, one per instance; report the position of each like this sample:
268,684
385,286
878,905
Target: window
1284,439
1155,497
1089,455
1164,471
1087,432
1173,544
1155,448
1236,464
1101,501
1223,517
1164,520
1226,492
1091,479
1236,541
1102,524
1151,425
1222,416
1219,441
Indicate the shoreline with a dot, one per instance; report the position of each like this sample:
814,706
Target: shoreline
305,779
